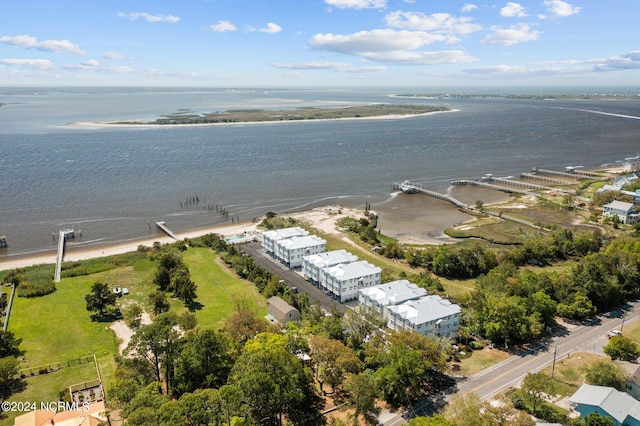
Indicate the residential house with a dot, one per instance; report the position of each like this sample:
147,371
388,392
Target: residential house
634,196
626,212
344,280
269,238
312,264
621,407
290,251
85,415
281,311
379,297
429,315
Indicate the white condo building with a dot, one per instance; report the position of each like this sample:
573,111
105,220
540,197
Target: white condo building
626,212
291,250
312,264
344,280
429,315
269,238
379,297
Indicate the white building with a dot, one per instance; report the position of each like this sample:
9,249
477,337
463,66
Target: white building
626,212
635,196
429,315
631,164
311,265
291,250
381,296
269,238
344,280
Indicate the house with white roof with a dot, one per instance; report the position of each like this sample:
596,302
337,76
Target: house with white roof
429,315
290,251
379,297
344,280
621,407
626,212
312,264
269,238
633,195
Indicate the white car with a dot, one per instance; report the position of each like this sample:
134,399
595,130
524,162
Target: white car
613,333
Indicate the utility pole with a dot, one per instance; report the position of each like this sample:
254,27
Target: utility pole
622,326
553,366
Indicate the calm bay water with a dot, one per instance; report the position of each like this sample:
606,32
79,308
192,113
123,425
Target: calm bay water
110,181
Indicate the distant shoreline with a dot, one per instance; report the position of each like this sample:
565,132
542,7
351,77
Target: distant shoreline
137,125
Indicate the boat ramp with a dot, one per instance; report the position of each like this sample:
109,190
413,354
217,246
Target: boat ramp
164,228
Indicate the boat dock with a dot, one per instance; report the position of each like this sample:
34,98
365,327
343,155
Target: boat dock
164,228
576,174
544,179
529,185
62,238
414,188
490,186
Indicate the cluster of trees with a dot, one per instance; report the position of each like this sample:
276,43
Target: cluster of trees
251,372
9,353
173,276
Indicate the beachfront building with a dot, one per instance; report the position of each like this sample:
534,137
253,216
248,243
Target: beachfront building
281,311
634,196
631,164
343,281
620,407
429,315
626,212
269,238
312,264
290,251
379,297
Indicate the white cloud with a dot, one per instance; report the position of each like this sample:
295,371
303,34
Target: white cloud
39,64
389,46
271,28
443,23
513,10
222,27
357,4
148,17
113,55
559,8
518,33
29,42
327,65
468,7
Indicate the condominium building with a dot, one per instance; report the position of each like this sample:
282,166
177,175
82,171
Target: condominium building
429,315
269,238
290,251
312,264
344,280
379,297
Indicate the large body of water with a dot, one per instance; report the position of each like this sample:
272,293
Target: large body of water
110,181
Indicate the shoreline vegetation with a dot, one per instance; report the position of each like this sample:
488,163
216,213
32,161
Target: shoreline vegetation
187,117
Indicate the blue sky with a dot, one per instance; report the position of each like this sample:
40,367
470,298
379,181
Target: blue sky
320,43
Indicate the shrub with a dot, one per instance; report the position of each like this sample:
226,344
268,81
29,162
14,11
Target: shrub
476,346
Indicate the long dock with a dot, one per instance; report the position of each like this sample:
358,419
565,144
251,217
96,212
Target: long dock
490,186
529,185
60,256
577,174
164,228
545,179
413,188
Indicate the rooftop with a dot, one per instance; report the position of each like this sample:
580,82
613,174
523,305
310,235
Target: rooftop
619,205
347,271
394,292
617,404
426,309
301,242
330,258
284,233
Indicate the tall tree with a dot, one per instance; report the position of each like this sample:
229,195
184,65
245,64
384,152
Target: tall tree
99,298
332,360
604,373
620,347
534,386
361,397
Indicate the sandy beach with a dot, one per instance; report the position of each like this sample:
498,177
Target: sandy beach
321,218
140,124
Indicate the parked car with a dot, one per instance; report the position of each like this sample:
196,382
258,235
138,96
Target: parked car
613,333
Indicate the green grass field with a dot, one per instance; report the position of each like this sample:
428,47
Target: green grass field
57,327
217,286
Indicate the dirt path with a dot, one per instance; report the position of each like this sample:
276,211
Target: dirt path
124,332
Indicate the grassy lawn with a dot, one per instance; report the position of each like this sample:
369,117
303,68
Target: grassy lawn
46,387
568,374
217,286
632,331
480,360
492,230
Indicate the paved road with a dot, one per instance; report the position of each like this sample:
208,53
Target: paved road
291,278
584,338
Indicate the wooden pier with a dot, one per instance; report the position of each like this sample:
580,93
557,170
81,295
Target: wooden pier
545,179
490,186
414,188
61,243
529,185
576,176
164,228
